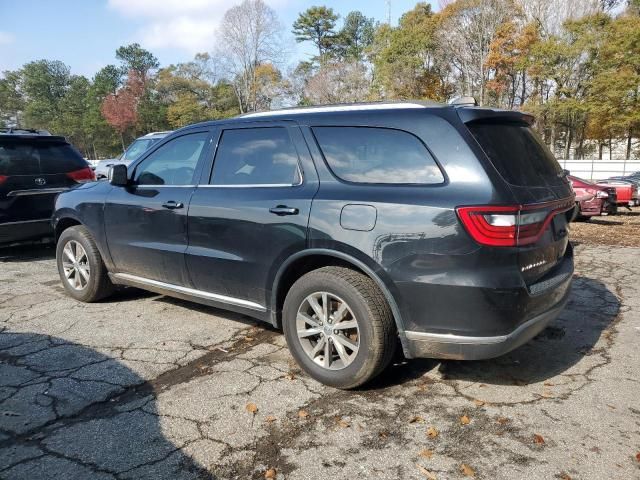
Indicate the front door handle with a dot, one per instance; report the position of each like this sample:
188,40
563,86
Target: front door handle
282,210
172,205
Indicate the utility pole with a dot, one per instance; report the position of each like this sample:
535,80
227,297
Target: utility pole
388,12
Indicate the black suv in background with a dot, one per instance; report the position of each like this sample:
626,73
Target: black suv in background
34,167
350,227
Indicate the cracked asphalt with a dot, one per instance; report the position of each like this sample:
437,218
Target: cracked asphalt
144,386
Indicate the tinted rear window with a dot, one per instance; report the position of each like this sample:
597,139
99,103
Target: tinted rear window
38,158
256,156
377,155
518,154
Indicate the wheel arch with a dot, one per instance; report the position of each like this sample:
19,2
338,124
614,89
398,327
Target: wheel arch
64,222
303,262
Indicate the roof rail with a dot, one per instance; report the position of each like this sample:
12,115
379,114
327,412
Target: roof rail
347,107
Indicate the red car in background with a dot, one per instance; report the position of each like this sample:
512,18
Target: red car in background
592,199
626,192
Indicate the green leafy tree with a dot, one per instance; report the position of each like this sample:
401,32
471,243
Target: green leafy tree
192,93
12,102
562,69
406,59
355,37
72,120
103,141
44,84
317,25
134,57
614,97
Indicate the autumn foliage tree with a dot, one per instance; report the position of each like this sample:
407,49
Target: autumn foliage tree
509,59
120,109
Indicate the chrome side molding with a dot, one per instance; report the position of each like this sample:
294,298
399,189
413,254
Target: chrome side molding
141,281
36,191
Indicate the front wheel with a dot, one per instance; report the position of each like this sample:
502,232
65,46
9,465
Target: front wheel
339,326
82,271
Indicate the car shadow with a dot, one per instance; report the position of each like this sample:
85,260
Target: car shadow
69,411
209,310
591,309
27,252
594,221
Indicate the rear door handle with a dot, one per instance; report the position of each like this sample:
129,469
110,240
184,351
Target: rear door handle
172,205
281,210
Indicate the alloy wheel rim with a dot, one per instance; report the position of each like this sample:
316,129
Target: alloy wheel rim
75,264
328,330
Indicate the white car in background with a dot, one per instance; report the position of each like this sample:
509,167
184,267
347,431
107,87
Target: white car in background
133,151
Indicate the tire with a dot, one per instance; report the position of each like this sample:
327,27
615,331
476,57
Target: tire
98,285
365,304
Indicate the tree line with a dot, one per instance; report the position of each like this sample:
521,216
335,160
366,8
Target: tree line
575,65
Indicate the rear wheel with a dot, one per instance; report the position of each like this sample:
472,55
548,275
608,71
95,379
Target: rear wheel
339,326
82,271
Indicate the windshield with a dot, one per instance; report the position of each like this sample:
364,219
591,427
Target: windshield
137,148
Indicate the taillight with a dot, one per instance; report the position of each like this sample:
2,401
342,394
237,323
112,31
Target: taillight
3,178
83,175
510,226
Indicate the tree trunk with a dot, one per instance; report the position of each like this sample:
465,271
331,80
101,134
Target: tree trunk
600,147
567,150
122,142
629,141
236,90
610,149
524,88
580,149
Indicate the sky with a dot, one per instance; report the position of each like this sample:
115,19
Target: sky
85,34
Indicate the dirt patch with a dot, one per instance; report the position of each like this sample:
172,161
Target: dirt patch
622,230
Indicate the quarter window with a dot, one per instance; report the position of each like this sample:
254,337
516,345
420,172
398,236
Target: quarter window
174,163
256,156
377,155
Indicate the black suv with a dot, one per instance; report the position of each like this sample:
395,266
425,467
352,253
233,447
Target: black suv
350,227
34,167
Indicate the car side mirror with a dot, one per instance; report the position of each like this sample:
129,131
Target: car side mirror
118,175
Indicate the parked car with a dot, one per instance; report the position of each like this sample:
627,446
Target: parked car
34,167
349,226
133,151
626,192
592,199
633,179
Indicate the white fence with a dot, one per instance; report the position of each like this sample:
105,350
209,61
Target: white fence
600,169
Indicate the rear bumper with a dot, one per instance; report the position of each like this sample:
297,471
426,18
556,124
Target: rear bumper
458,347
26,230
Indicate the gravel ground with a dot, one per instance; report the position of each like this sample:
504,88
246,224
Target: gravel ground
143,386
622,229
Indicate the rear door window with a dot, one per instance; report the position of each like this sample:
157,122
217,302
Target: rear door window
519,155
377,155
262,156
38,157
